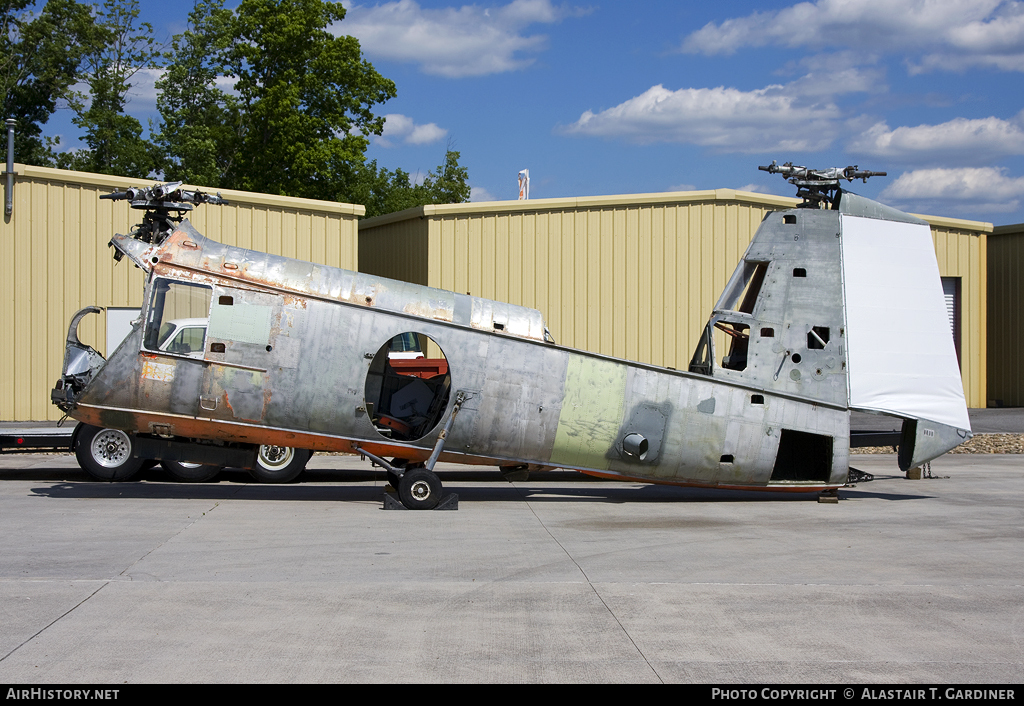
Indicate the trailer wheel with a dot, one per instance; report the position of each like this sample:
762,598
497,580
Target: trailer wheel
419,489
186,472
279,464
106,454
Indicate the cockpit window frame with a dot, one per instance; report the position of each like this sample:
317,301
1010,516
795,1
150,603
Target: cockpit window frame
157,316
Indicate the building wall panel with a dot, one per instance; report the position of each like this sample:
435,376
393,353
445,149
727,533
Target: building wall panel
55,260
961,253
1006,315
398,250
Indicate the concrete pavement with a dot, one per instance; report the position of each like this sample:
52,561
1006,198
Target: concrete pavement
558,579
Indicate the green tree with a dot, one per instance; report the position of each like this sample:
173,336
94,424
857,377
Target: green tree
306,98
201,123
121,47
449,183
297,118
40,54
383,191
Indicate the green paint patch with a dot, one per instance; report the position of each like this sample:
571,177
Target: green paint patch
591,414
245,323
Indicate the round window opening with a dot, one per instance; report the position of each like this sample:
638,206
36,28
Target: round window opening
407,387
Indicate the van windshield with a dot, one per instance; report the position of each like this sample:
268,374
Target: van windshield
165,332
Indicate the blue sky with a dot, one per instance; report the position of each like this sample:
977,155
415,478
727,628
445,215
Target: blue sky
638,97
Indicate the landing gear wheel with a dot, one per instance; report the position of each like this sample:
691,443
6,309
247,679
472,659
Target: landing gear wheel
106,454
419,489
186,472
279,464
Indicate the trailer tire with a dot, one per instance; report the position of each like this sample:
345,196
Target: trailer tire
279,464
107,454
186,472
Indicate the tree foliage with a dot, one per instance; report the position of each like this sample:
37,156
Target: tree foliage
40,55
296,120
307,96
121,46
298,113
201,122
383,191
265,97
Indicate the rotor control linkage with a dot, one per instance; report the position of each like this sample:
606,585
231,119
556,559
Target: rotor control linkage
164,206
817,186
169,196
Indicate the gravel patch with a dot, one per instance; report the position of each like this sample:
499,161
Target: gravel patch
980,444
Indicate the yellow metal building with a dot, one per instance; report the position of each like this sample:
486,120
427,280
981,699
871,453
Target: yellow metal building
632,276
1006,316
55,261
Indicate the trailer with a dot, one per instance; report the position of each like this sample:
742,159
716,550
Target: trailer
37,439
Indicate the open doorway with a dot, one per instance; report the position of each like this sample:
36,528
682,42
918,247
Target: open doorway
406,391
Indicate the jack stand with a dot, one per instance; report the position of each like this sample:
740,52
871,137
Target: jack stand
829,496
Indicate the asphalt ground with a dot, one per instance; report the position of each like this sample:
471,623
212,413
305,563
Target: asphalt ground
556,579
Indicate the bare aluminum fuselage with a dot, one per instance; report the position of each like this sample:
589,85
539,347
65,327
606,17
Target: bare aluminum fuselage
293,357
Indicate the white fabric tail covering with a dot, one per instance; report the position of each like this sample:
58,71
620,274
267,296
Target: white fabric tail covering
899,344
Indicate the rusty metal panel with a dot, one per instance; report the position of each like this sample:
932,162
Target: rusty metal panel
55,261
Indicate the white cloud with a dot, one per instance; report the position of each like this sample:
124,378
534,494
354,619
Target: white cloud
959,141
981,189
838,73
798,116
479,193
996,41
142,94
400,128
455,42
756,188
946,34
727,119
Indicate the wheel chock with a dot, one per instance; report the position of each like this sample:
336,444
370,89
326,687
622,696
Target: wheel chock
391,501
